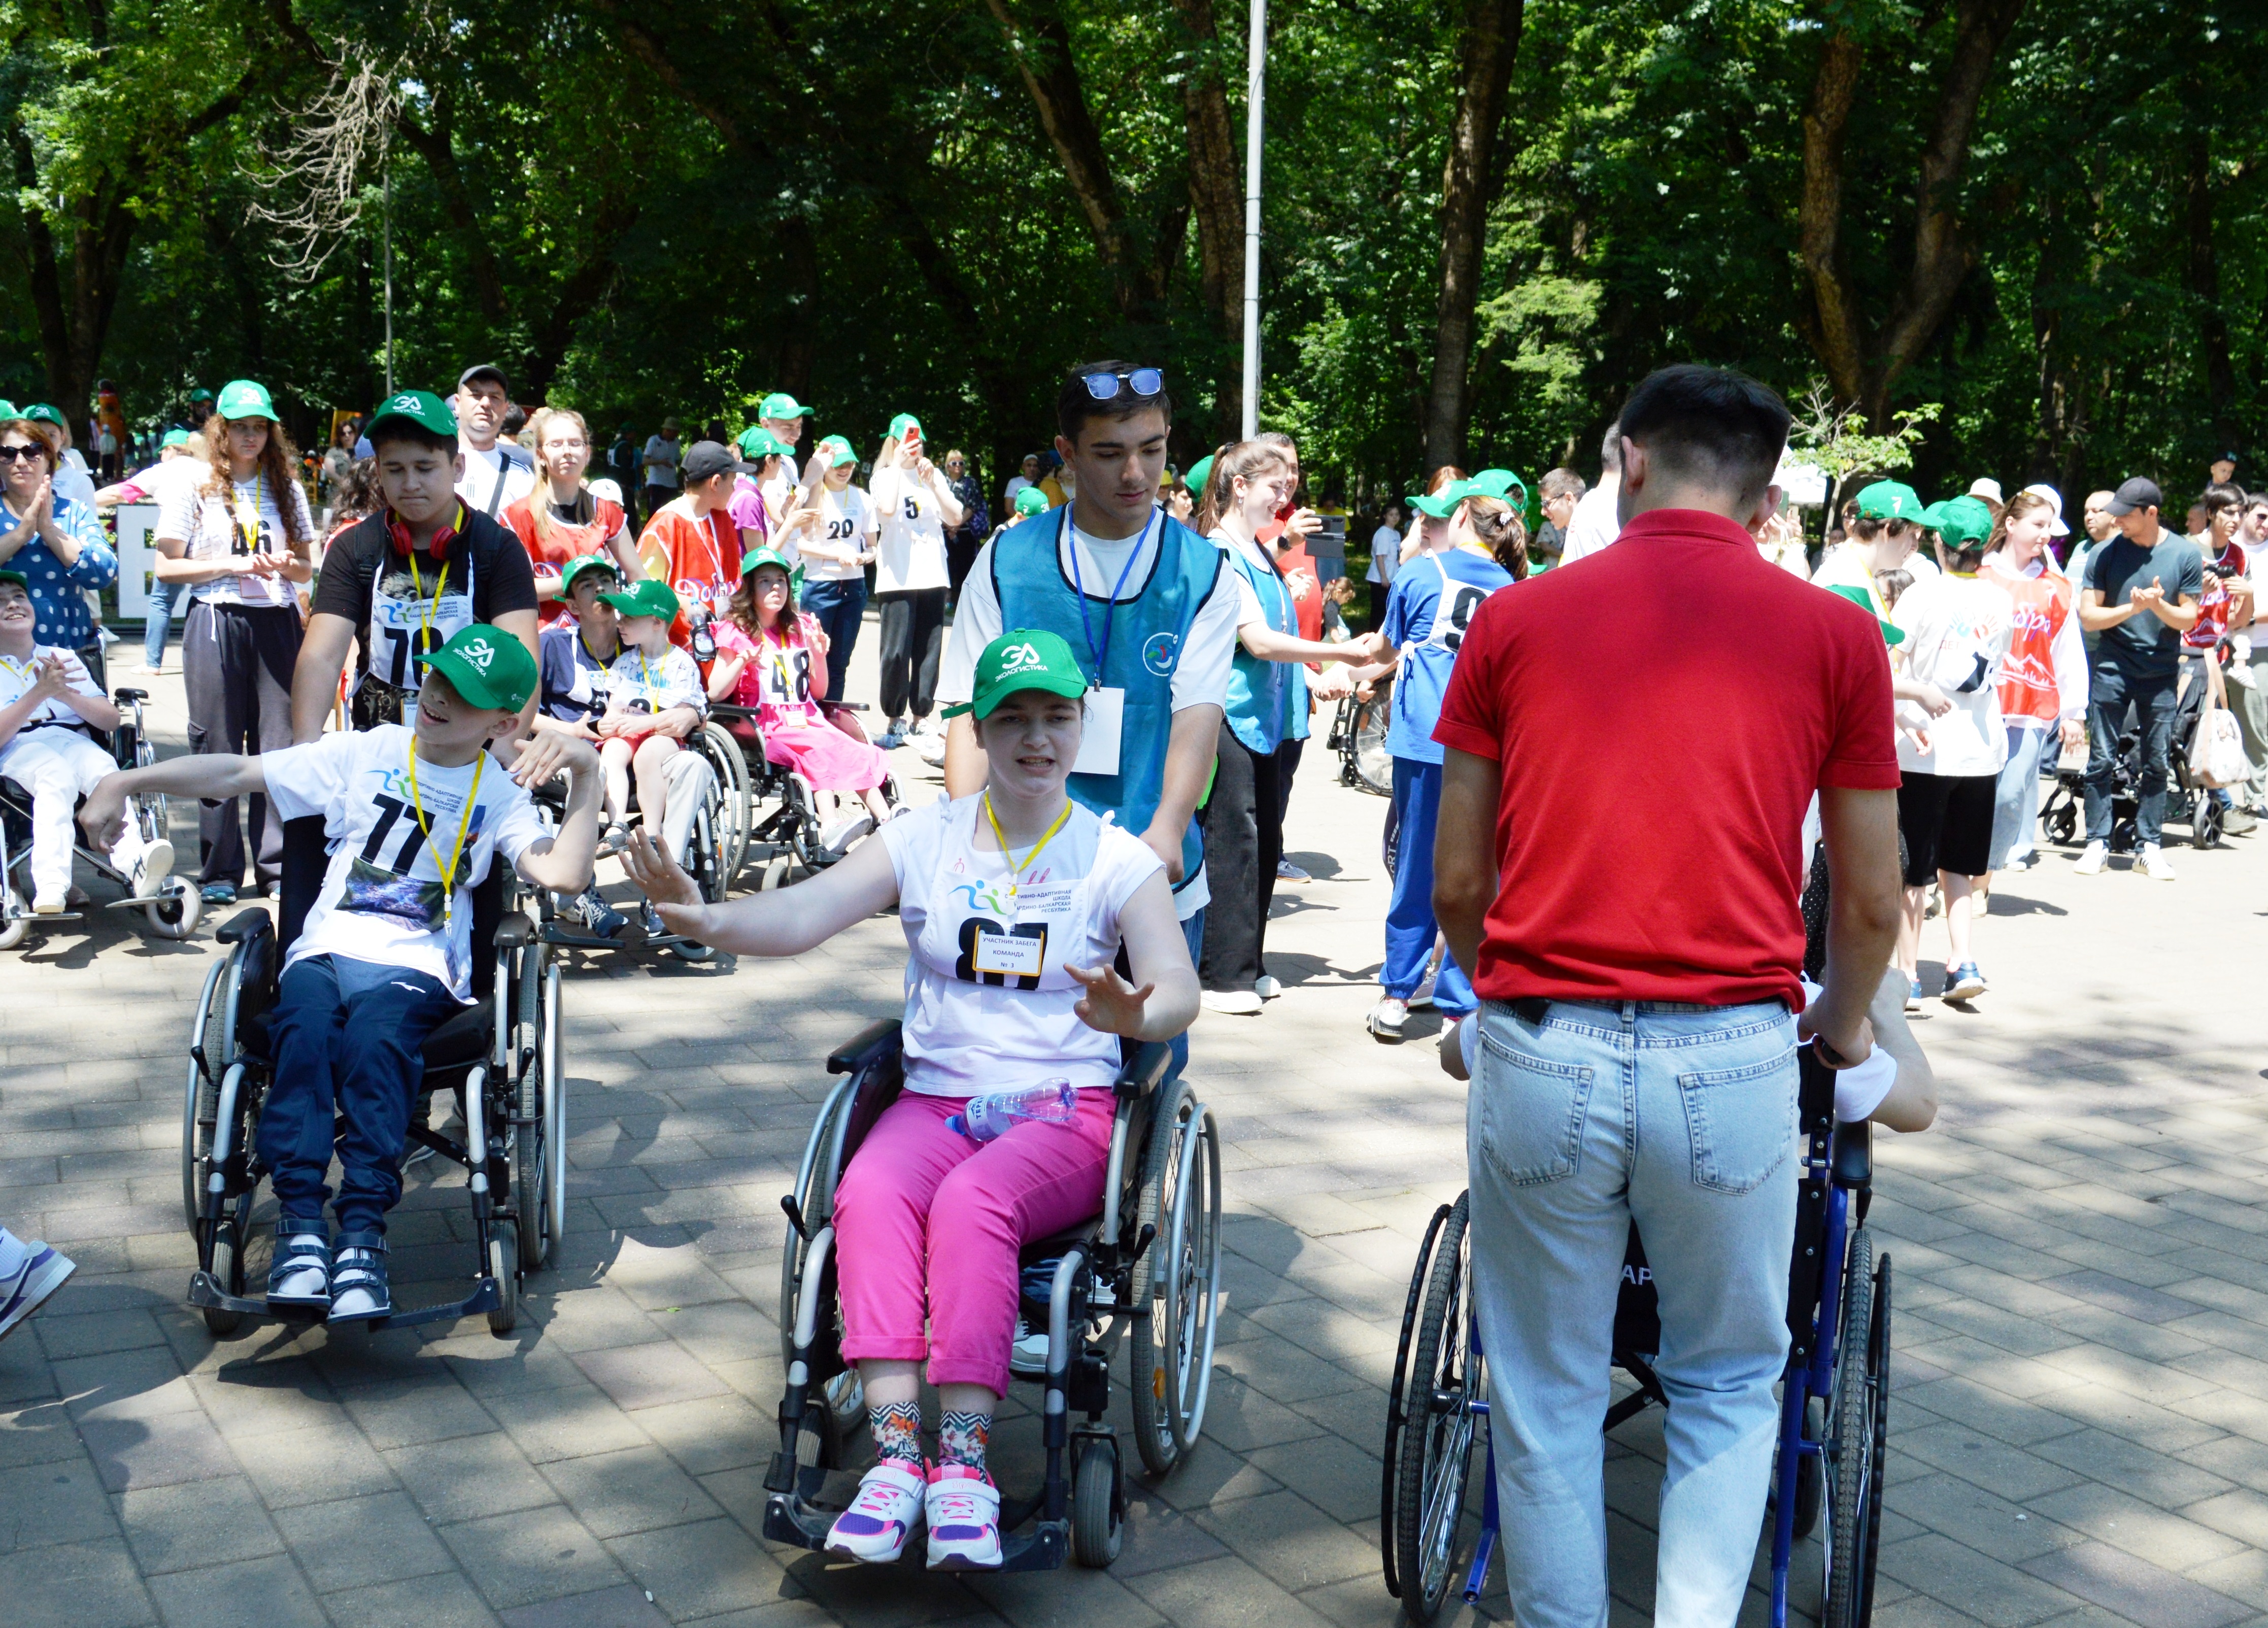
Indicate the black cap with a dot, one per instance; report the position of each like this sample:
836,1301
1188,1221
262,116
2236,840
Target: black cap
707,460
484,370
2141,492
2224,458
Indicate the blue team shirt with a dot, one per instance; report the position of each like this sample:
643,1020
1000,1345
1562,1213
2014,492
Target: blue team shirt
1431,604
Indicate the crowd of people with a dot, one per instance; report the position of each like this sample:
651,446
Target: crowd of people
1117,683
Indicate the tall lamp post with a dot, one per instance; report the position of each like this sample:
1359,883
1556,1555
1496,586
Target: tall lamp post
1256,78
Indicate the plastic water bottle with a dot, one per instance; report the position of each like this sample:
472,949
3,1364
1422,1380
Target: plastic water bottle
995,1113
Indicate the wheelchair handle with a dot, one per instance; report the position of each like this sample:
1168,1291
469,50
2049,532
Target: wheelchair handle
130,695
795,1215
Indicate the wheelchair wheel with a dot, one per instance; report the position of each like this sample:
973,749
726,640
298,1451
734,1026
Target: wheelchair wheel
201,1100
775,873
1434,1450
228,1272
504,1263
1852,1460
176,915
531,1141
708,873
1098,1506
555,1108
736,814
1172,1347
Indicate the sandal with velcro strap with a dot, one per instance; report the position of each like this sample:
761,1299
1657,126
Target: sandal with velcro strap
358,1287
300,1278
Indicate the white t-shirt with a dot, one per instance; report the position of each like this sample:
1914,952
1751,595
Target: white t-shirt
1248,603
846,520
1953,626
17,676
244,521
381,899
496,479
70,479
1384,555
637,683
661,473
1594,525
158,483
967,1031
1016,483
909,554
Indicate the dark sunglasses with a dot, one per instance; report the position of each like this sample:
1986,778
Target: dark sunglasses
1144,381
8,454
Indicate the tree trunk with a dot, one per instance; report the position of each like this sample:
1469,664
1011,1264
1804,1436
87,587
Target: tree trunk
582,288
1216,197
2205,288
1468,185
1831,325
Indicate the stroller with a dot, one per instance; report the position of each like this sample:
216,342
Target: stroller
2189,797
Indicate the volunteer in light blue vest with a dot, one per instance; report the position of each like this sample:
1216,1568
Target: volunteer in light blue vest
1248,495
1144,603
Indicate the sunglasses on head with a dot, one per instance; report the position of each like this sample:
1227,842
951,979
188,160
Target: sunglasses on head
1143,381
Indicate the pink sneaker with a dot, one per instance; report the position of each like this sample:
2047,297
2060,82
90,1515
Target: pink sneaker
963,1509
882,1517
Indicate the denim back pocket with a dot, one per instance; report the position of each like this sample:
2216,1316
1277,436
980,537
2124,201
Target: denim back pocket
1741,1122
1531,1113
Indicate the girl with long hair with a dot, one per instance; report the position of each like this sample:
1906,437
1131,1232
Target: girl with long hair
915,505
562,519
2042,679
242,542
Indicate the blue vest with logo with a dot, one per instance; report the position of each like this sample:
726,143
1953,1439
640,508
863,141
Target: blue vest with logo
1260,692
1140,650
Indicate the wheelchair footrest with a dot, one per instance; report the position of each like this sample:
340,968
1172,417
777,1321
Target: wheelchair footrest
797,1517
206,1294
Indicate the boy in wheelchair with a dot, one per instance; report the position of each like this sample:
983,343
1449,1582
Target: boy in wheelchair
50,710
413,821
1014,903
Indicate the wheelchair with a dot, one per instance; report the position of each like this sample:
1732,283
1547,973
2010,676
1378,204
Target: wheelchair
793,829
1834,1404
1358,736
500,1056
171,912
1146,1271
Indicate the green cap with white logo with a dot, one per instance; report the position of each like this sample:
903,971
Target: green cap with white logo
1200,472
1502,484
583,567
780,404
756,558
757,442
176,437
1442,504
40,413
1022,658
1031,500
903,423
838,451
650,598
421,407
486,667
1889,500
242,398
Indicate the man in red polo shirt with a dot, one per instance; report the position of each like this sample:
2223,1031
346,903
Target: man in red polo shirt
1640,978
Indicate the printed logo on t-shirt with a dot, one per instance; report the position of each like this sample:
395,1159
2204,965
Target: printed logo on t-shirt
1158,652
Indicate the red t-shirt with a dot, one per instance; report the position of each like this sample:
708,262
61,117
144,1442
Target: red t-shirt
568,543
1661,713
699,557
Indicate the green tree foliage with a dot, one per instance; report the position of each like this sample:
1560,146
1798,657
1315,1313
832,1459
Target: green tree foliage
939,204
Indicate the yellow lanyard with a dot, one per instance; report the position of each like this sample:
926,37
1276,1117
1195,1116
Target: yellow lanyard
251,532
1016,872
464,828
417,586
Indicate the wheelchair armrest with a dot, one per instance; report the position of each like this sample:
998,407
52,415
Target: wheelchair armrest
724,709
245,924
130,695
1853,1156
870,1044
513,932
845,706
1145,1071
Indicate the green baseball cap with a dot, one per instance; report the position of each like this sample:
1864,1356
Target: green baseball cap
8,410
780,404
1892,633
40,412
757,442
16,577
486,667
1889,500
767,556
200,395
1499,483
1031,500
241,398
650,598
1444,502
421,407
582,566
1022,658
176,437
840,448
1961,522
904,422
1200,472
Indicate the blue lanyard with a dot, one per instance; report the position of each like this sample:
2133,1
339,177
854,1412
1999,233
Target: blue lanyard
1064,535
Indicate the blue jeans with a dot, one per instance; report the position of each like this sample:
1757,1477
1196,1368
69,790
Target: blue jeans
2108,695
840,607
1411,928
2016,798
350,1044
153,630
1681,1118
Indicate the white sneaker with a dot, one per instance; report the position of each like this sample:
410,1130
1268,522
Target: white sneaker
931,748
1235,1003
962,1508
41,1274
1267,988
157,865
1387,1018
2241,672
1422,995
2152,863
1029,1355
837,836
49,905
883,1515
2092,861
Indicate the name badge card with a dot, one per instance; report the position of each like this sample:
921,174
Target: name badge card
1008,956
1098,744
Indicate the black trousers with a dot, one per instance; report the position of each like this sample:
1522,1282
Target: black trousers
236,666
1243,822
913,639
960,549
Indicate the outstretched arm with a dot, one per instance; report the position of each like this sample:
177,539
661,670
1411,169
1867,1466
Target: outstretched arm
786,921
1162,1001
213,777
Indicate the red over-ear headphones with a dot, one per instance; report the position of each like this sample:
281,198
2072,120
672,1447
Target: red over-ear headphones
442,535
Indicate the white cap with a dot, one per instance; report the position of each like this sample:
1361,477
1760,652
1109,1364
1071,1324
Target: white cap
605,487
2059,528
1984,486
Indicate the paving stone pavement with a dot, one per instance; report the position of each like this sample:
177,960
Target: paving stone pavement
2080,1434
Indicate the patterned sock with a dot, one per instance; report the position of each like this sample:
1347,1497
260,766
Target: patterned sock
897,1432
961,1438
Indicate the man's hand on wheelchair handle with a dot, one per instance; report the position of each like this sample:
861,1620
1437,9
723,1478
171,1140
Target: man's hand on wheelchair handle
1846,1048
1110,1004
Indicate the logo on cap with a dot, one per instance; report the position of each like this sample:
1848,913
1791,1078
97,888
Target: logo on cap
480,653
1016,658
402,404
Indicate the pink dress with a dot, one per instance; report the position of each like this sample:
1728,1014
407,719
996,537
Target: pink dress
782,682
